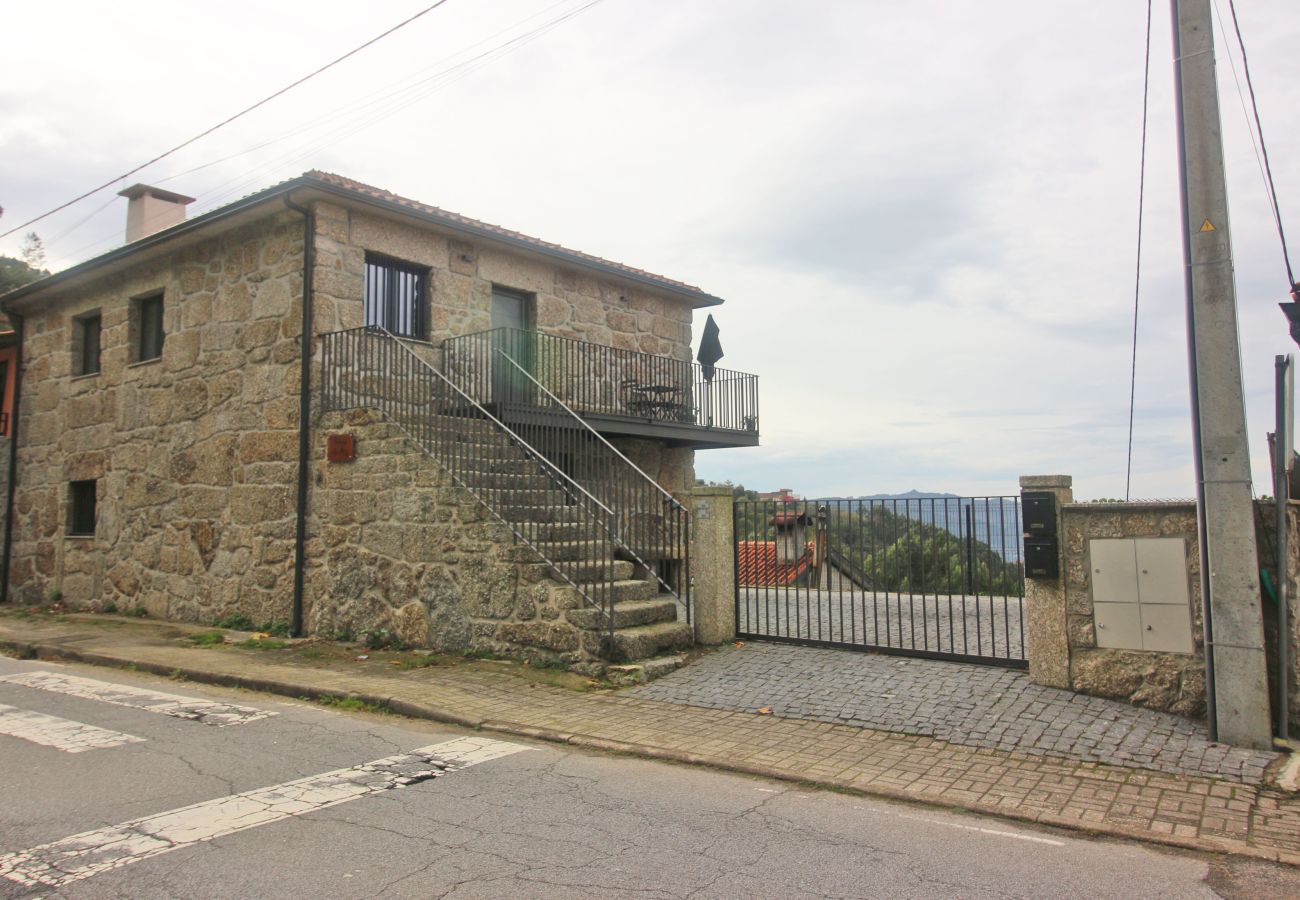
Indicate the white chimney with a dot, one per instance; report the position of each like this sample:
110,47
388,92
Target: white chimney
152,209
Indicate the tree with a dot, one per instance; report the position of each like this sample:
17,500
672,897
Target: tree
14,273
33,251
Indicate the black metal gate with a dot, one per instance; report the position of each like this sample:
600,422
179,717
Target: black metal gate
938,577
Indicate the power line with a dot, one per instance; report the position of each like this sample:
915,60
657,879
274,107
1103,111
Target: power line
1137,278
1268,170
224,122
349,119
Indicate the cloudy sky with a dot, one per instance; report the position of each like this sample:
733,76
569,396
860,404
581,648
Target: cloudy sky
922,215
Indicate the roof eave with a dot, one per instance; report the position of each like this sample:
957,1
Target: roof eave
698,299
167,234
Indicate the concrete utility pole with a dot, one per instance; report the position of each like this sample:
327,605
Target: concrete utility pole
1236,671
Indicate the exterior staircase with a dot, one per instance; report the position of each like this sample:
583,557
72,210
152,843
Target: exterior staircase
646,621
608,534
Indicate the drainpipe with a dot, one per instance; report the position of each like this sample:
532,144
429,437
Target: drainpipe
13,455
304,412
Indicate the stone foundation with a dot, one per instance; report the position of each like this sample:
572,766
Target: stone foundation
396,547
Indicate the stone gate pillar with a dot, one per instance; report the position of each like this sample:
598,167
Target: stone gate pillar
1048,639
713,565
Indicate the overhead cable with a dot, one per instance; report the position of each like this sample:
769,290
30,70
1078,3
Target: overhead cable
227,121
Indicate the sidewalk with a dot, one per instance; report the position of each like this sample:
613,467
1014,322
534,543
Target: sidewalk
1190,811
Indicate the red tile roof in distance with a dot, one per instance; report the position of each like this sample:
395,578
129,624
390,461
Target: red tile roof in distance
757,565
375,193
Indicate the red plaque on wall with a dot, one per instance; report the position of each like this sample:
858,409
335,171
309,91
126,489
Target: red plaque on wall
341,448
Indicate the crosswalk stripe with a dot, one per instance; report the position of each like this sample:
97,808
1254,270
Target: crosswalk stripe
92,852
63,734
209,712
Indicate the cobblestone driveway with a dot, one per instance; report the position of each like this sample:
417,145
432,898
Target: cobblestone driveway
974,705
966,625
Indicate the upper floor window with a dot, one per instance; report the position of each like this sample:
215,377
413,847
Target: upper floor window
86,331
395,296
147,327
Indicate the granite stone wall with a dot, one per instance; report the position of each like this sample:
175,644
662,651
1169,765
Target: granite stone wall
569,303
395,547
193,453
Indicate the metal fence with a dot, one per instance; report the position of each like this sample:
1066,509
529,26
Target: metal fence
602,380
940,577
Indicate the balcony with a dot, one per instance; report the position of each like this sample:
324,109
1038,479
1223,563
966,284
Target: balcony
618,392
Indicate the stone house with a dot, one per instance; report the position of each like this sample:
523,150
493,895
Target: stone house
332,407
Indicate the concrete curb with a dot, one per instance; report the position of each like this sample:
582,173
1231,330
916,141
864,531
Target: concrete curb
32,650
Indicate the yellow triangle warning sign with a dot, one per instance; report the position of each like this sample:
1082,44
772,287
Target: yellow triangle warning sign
1207,225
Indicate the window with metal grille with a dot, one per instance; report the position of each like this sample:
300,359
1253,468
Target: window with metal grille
81,508
85,344
395,296
147,327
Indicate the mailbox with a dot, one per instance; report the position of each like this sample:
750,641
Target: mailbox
1038,509
1042,560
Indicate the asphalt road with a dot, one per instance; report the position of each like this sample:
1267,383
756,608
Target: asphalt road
121,785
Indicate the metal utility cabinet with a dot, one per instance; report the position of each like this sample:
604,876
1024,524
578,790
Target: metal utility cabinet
1140,596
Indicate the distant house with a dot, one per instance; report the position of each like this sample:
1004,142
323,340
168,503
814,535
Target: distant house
795,559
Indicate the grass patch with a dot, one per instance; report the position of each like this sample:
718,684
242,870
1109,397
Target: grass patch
263,644
236,622
207,639
353,704
552,664
138,612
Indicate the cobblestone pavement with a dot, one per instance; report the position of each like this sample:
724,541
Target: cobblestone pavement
945,623
973,705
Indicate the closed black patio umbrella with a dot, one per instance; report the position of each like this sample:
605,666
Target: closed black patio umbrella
710,349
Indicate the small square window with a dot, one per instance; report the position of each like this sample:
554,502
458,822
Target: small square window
86,332
395,296
81,508
147,327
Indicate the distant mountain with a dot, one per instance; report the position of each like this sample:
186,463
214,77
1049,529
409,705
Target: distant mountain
910,495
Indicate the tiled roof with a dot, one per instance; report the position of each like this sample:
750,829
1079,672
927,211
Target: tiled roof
457,219
757,565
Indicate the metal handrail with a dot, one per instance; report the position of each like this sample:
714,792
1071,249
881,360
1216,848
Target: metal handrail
626,540
594,433
414,400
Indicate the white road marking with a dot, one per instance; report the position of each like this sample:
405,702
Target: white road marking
209,712
82,855
992,831
64,734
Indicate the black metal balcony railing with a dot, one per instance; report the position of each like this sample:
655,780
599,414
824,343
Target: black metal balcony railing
595,379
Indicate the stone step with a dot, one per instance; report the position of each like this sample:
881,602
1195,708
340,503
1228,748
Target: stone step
627,614
553,531
644,670
575,549
522,498
532,480
580,571
503,465
646,641
523,512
